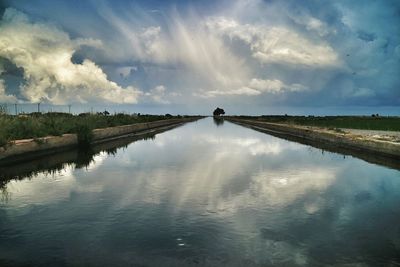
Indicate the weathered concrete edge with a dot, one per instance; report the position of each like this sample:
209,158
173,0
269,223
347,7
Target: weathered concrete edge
383,148
21,150
55,161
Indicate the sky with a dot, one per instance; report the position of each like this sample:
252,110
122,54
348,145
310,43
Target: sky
188,57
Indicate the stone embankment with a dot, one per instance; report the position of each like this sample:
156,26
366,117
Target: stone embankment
20,150
333,138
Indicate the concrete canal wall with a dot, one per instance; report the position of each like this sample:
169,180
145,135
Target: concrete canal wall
20,150
341,140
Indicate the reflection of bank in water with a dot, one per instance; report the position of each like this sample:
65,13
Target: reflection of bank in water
332,144
80,158
29,149
218,120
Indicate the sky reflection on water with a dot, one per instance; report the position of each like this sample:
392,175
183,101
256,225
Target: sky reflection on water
206,194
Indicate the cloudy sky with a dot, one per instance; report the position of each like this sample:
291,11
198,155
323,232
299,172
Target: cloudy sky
248,56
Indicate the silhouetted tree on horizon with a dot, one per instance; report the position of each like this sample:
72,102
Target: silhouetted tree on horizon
218,111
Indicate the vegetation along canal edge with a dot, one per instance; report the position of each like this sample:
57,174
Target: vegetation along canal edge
22,150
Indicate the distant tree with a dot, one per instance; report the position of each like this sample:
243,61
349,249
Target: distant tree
218,112
168,115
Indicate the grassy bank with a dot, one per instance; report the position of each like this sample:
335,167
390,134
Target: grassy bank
351,122
36,125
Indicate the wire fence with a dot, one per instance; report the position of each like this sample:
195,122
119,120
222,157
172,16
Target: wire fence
15,109
26,108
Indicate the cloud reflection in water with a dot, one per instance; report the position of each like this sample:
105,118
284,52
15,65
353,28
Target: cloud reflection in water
228,194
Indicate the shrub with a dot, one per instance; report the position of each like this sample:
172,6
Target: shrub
85,134
3,140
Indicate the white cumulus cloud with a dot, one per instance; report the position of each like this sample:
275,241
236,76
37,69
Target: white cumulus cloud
274,86
44,52
256,87
158,95
277,44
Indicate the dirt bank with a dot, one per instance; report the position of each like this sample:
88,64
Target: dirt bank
22,150
334,138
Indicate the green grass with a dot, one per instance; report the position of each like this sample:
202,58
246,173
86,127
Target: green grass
351,122
36,125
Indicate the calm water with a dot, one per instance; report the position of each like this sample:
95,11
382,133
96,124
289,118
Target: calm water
205,195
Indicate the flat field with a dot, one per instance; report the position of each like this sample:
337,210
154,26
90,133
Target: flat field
382,123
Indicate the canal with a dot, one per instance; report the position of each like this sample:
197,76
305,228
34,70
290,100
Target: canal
204,194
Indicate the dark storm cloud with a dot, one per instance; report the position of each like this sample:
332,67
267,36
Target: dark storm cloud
258,53
366,36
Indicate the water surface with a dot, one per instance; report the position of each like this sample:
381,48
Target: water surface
205,195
